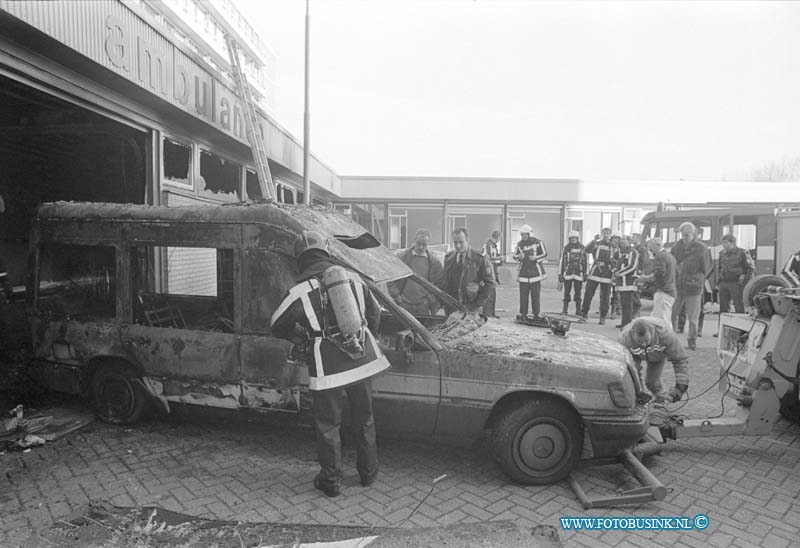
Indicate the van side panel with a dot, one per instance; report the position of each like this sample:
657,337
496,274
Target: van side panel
183,353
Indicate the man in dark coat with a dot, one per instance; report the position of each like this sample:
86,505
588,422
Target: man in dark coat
694,264
468,275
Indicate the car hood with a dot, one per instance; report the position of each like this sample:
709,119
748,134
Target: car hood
515,342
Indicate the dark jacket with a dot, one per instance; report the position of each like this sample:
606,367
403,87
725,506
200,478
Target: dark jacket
572,265
329,366
414,294
435,269
626,268
664,345
530,253
474,284
733,264
694,264
663,275
604,258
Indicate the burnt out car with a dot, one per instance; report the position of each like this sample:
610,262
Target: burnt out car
137,305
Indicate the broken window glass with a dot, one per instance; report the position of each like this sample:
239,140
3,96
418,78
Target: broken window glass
252,186
219,175
193,289
77,281
177,158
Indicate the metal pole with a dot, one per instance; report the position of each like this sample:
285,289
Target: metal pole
307,119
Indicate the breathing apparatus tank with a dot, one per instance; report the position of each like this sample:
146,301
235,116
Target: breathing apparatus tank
348,333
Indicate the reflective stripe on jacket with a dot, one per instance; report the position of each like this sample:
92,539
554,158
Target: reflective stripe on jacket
329,366
530,253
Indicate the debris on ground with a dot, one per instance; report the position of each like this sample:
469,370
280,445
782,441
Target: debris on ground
103,525
20,432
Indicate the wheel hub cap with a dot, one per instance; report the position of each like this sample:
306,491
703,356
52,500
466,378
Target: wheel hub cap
542,447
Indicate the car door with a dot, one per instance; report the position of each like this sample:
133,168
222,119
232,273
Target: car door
183,316
406,398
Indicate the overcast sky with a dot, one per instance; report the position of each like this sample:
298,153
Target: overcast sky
631,90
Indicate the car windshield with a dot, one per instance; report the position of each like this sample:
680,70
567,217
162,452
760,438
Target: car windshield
442,316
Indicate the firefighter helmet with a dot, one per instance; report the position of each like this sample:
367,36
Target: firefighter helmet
525,229
616,234
574,234
310,240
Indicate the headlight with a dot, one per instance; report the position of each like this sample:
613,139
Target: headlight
621,395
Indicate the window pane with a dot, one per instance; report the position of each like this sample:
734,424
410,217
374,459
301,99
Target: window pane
177,158
78,280
219,175
197,292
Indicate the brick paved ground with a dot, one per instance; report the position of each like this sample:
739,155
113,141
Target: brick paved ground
229,468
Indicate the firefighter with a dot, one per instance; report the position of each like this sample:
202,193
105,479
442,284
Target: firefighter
625,277
529,252
651,340
791,270
604,257
337,311
572,271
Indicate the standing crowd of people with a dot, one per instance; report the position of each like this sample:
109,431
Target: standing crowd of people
619,266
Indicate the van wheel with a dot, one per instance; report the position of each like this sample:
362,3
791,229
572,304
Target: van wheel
118,399
758,284
538,442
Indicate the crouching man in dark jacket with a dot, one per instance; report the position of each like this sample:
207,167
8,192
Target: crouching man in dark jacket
652,341
338,312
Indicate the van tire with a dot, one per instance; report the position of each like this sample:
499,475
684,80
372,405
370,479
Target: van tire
539,441
758,284
117,394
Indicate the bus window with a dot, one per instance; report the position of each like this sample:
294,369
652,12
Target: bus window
670,234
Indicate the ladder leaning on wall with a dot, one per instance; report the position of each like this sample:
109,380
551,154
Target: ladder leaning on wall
251,123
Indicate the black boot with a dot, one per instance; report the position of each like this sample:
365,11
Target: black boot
565,308
578,307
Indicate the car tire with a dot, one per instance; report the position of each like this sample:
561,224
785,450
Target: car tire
117,397
539,441
758,284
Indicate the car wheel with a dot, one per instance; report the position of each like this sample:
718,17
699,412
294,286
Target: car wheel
758,284
538,442
118,399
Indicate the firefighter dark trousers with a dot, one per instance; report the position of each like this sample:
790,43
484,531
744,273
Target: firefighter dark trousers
532,289
569,285
327,423
626,304
605,293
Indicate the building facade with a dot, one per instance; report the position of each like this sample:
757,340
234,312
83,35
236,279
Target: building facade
393,208
132,101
